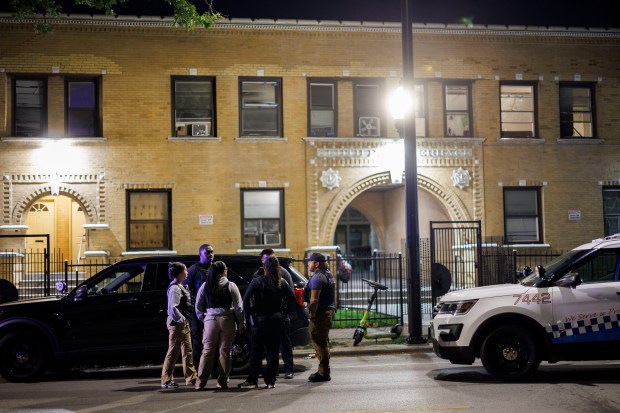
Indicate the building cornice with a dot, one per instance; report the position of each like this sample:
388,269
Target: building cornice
323,26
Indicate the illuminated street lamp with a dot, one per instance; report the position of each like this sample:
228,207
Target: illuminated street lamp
414,301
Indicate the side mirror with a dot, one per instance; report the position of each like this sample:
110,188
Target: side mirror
80,293
571,280
61,287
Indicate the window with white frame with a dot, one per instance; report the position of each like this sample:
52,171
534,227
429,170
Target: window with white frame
29,107
369,108
611,210
262,217
322,108
522,215
260,106
518,110
149,218
458,109
577,110
82,107
193,98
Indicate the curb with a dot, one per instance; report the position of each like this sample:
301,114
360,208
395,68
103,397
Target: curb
370,350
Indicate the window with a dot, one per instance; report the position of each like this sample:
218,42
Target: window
522,215
419,94
82,107
149,217
322,108
260,106
194,106
518,110
611,210
29,107
368,101
600,268
263,217
577,110
458,112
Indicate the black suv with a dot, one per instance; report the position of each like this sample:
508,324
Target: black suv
116,317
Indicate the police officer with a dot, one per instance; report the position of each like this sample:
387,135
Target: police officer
319,292
196,276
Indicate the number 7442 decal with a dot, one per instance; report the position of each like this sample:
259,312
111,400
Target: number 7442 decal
542,298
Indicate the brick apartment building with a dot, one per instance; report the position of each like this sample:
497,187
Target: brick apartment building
146,137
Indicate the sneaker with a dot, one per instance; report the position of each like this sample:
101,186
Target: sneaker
289,374
169,385
221,386
316,378
248,385
271,386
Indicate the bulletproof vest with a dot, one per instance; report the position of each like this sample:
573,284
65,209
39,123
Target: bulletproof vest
186,306
327,296
267,299
221,298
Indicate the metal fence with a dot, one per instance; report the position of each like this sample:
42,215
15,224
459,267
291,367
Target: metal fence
35,274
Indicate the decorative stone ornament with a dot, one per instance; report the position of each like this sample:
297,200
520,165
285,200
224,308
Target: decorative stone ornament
461,178
330,179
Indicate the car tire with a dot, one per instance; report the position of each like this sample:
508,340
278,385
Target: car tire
509,354
22,357
240,354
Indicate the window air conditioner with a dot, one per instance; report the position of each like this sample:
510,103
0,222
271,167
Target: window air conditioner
369,126
271,238
201,129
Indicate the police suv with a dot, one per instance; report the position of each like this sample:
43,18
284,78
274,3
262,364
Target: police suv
566,310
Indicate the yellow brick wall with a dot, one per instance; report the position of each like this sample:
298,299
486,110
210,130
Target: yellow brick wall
206,177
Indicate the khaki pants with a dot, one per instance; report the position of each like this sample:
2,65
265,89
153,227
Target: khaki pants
319,334
219,333
179,341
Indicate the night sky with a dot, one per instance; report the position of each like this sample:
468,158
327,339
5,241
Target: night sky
577,13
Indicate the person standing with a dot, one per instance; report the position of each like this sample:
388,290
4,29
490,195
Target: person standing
286,348
271,298
218,305
179,340
196,276
319,292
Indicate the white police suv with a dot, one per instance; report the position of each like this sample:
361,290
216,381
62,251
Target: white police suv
566,310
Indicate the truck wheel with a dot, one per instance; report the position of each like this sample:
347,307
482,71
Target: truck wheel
509,354
22,357
240,354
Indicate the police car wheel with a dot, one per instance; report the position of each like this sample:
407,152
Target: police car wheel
509,354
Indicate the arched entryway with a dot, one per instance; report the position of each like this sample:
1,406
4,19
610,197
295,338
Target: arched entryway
62,217
376,219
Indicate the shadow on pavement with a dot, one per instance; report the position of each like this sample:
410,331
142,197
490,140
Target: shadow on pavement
566,373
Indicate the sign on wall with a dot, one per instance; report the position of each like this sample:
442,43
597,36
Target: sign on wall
205,219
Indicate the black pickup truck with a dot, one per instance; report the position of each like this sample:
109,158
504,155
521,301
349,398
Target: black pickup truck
116,317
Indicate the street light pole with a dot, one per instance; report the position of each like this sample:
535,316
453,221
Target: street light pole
414,301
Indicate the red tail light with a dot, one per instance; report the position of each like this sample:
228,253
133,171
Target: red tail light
299,295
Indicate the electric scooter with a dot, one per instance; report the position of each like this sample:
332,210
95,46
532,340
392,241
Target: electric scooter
362,330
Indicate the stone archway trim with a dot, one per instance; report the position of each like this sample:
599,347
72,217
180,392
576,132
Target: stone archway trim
455,207
21,207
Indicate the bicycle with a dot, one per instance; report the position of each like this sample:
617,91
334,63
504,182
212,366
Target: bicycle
362,330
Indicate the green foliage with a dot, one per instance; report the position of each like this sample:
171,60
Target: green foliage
185,13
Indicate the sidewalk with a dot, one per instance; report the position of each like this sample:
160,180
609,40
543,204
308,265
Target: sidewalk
342,344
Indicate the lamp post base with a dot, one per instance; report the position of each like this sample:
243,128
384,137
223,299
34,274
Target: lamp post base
416,340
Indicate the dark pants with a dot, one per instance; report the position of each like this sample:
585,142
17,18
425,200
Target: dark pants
266,337
319,334
196,327
286,349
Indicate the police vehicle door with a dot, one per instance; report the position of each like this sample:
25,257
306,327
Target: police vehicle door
589,312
